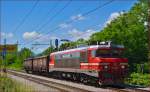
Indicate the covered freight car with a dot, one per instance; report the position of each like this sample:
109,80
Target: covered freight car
28,64
37,64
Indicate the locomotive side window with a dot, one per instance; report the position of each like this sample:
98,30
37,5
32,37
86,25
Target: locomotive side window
66,56
57,57
93,53
75,55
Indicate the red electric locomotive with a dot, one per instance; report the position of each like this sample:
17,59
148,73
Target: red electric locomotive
101,64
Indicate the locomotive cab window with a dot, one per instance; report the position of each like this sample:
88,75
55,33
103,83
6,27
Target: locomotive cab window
109,53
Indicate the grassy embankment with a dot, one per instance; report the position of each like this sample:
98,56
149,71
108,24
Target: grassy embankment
9,85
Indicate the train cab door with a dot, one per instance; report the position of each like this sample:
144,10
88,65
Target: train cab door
84,59
51,61
83,56
93,60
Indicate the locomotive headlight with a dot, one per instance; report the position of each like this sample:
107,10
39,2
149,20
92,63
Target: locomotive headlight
106,67
122,66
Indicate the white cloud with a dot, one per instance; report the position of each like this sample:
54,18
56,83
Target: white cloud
7,35
31,35
88,33
64,25
46,38
78,17
76,34
39,37
112,16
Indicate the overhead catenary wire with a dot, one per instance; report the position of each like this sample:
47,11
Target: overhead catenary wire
45,16
26,16
78,9
54,16
95,25
70,21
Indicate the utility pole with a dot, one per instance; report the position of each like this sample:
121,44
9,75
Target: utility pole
17,52
4,56
0,36
149,32
51,48
0,22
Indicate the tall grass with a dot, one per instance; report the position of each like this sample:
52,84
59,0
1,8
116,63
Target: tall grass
9,85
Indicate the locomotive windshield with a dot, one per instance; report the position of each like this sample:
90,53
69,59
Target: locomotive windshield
109,53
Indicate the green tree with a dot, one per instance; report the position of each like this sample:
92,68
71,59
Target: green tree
24,53
128,29
47,51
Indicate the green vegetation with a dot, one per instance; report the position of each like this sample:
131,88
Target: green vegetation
128,29
9,85
139,79
15,61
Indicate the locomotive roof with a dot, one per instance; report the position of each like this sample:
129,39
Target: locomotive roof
88,47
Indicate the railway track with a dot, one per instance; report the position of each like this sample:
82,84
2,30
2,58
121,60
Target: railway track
65,86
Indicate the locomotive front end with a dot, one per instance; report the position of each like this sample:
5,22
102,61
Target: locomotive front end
113,71
113,67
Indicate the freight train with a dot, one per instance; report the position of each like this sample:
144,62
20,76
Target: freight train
102,64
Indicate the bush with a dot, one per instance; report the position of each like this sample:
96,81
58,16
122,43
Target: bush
16,66
139,79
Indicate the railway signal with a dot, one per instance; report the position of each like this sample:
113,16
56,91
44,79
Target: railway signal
56,43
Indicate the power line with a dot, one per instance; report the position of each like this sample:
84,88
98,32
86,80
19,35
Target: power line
54,16
45,17
84,14
78,9
26,16
93,10
50,21
37,44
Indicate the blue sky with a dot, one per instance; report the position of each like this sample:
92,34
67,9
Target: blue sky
20,23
